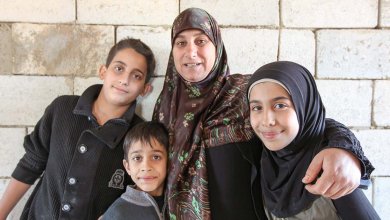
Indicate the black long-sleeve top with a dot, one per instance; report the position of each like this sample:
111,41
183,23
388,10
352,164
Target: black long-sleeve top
79,163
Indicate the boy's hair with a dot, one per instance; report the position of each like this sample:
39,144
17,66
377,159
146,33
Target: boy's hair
144,132
138,46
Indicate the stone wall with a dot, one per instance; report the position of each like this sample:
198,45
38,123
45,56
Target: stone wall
52,48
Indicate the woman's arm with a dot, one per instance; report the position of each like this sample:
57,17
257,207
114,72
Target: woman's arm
341,164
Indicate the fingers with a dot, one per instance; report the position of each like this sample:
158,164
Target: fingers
322,186
313,170
341,174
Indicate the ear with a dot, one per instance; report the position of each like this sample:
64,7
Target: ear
102,72
127,166
147,89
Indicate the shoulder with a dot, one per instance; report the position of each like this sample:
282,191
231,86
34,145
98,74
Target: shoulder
118,208
65,100
62,104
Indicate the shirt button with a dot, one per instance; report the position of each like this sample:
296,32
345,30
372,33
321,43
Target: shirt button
72,181
82,148
66,207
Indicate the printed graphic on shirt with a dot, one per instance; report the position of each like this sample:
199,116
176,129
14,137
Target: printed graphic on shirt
117,179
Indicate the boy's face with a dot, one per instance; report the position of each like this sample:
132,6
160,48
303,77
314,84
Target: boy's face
147,166
124,79
272,115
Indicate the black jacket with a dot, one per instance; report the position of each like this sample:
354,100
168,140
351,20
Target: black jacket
79,163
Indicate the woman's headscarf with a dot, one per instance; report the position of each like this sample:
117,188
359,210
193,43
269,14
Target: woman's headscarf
199,115
282,171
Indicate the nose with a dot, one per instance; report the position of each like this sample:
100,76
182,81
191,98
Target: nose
191,50
124,80
146,166
268,118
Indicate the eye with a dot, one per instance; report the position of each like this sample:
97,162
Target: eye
136,158
180,43
201,42
118,69
255,108
156,157
280,106
138,75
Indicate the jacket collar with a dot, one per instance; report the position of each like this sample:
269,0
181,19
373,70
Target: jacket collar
86,100
113,131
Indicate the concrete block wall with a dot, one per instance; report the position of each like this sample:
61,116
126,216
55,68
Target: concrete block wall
52,48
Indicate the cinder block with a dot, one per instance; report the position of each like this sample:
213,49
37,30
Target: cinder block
61,49
329,13
157,38
231,12
381,104
381,196
6,49
347,101
81,84
38,11
353,54
248,49
11,149
298,46
384,19
375,145
24,98
145,105
131,12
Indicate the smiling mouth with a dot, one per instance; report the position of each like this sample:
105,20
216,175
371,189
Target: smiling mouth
191,64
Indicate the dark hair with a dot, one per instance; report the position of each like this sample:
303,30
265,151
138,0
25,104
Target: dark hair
144,132
138,46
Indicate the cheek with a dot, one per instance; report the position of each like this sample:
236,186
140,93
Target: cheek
211,57
254,120
293,124
175,55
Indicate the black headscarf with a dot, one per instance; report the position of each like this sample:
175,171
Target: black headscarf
282,171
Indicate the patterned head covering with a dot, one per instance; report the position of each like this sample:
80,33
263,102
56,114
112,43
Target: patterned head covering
282,171
199,115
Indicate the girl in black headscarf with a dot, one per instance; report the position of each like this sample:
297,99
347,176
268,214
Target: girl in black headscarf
287,114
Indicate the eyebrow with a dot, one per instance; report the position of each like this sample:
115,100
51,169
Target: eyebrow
197,34
138,151
118,61
274,99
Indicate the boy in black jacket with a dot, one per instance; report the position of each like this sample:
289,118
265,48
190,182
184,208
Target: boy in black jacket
75,148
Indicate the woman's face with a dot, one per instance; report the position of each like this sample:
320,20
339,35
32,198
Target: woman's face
194,55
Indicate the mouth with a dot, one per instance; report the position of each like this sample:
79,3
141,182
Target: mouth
147,178
270,134
191,64
120,89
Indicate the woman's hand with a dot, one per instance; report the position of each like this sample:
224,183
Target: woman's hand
341,173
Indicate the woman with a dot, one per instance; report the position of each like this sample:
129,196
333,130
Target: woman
214,157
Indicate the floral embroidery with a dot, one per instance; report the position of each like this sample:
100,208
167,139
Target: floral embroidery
189,116
194,92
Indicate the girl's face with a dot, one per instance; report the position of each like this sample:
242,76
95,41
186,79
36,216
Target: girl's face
194,55
272,115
